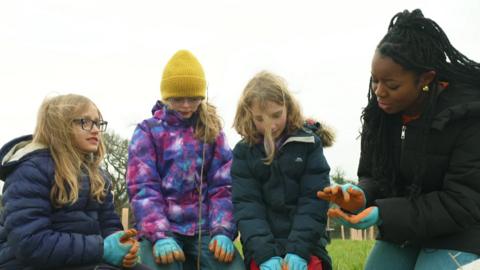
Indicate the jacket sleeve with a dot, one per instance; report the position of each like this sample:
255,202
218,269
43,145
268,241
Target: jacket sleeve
249,209
220,213
28,214
108,218
454,208
144,185
366,181
310,220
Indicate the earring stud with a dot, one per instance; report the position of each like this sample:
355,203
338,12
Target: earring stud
425,88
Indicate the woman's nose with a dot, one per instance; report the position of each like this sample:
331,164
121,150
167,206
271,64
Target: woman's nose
380,90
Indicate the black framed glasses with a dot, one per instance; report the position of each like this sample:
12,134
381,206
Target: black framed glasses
87,124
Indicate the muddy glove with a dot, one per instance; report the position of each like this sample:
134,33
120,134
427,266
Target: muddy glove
167,251
347,196
366,218
131,259
114,250
295,262
274,263
222,248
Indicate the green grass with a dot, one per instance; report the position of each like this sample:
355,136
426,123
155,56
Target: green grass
346,254
349,254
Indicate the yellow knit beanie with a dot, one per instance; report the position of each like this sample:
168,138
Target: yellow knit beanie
183,76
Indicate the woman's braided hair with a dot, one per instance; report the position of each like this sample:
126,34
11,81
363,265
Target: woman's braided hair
419,45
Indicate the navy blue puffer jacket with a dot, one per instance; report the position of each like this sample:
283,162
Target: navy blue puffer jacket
33,233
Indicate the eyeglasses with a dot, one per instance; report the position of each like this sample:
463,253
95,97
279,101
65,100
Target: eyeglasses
87,124
182,100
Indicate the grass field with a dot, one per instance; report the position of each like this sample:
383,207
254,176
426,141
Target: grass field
349,254
346,254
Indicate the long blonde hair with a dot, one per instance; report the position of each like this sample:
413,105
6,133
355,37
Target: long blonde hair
208,125
264,87
54,129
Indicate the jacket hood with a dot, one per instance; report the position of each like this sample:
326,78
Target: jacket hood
326,133
15,151
457,101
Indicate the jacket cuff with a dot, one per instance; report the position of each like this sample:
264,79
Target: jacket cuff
300,251
223,231
260,257
108,232
153,237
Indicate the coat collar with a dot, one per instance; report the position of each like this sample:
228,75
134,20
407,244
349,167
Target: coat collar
161,111
303,135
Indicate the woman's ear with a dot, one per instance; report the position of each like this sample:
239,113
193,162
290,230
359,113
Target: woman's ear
426,78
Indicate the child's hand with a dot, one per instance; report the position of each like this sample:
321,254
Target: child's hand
113,250
131,259
274,263
364,219
347,196
294,262
167,251
222,248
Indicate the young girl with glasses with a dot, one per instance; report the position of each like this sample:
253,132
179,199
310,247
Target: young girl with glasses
178,176
58,209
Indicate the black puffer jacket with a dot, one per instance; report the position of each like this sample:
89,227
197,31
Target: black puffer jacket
33,233
446,215
276,209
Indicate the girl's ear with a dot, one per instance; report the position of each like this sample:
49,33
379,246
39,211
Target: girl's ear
426,78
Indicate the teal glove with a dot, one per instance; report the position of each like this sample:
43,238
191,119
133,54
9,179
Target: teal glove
167,251
222,248
274,263
295,262
114,250
366,218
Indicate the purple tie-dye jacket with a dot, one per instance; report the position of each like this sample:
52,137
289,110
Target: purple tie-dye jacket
163,178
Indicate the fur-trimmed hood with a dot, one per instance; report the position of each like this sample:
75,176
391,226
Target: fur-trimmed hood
325,132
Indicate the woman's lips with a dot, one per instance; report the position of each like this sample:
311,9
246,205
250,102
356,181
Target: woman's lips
383,105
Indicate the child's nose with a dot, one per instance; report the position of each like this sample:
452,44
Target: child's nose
273,125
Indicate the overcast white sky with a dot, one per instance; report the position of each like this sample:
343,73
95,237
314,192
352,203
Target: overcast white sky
114,53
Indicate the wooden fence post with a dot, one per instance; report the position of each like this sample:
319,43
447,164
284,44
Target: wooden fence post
125,218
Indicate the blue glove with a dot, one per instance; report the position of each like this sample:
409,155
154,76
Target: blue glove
114,250
349,197
295,262
274,263
222,248
167,251
366,218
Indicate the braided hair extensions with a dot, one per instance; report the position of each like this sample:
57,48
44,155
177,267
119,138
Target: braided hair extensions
419,45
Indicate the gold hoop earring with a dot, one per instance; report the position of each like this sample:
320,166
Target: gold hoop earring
425,88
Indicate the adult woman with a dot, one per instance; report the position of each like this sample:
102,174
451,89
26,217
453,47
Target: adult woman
419,171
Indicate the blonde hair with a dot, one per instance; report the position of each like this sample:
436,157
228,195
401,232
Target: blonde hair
264,87
209,122
208,125
54,129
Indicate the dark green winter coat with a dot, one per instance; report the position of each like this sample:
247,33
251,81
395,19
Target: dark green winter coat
275,206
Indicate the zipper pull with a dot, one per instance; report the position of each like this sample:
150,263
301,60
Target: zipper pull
404,128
